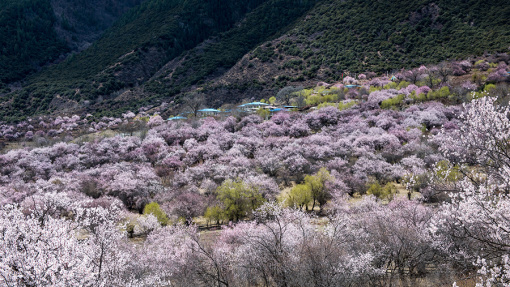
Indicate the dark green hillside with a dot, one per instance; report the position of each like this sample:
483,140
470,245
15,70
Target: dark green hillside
338,37
27,38
170,26
384,35
80,23
270,19
34,33
131,51
347,36
162,48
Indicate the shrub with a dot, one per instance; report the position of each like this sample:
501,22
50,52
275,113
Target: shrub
263,113
442,93
346,105
299,196
393,102
402,85
239,199
391,85
215,213
382,192
154,209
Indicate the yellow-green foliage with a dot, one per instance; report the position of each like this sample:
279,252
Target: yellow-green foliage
331,97
272,100
418,98
346,104
382,192
312,190
479,62
429,81
374,89
320,95
263,113
327,105
442,93
486,92
239,199
402,85
314,100
316,183
391,85
299,196
477,95
423,128
154,209
307,92
393,102
215,214
145,119
478,78
320,89
489,87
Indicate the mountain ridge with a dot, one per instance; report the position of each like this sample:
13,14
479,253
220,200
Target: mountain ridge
162,49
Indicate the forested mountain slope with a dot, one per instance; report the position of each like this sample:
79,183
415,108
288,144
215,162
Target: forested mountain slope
135,48
27,38
36,32
338,37
162,49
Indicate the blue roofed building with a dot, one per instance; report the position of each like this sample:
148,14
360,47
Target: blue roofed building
252,106
176,118
208,112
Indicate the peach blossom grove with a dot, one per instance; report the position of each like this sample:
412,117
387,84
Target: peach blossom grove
397,182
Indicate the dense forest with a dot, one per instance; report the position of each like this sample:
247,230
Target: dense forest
159,50
27,38
35,33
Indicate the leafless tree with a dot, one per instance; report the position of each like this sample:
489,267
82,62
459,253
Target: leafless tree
285,94
413,75
193,102
443,71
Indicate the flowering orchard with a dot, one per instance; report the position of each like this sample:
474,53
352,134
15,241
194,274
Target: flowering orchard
304,199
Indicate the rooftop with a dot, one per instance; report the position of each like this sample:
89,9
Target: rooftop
254,104
176,118
209,110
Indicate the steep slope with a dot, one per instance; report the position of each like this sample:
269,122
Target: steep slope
27,38
36,32
340,37
337,38
80,23
251,48
140,43
216,56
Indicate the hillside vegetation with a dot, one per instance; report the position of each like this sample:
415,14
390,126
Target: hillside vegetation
35,33
27,38
131,51
392,184
379,36
232,49
341,37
